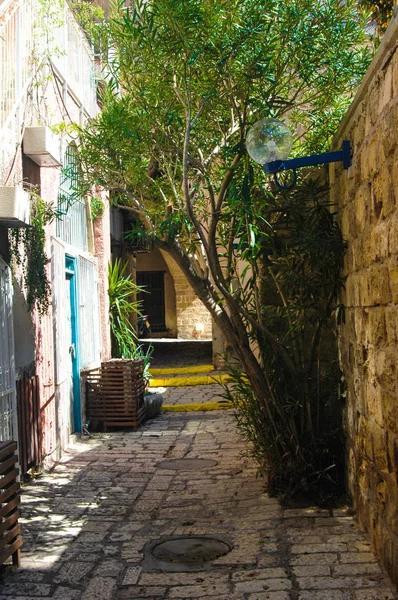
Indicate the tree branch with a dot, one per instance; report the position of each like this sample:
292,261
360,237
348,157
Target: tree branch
185,183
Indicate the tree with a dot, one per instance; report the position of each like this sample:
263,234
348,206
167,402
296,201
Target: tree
380,14
186,79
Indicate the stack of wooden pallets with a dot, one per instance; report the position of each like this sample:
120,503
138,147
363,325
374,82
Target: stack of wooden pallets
10,531
115,393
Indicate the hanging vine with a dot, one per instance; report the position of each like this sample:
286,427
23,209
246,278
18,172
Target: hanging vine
27,247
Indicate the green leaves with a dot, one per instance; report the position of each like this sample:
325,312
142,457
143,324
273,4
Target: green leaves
185,81
289,258
224,65
122,291
27,246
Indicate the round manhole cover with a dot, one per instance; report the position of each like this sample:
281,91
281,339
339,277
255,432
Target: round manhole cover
190,549
187,464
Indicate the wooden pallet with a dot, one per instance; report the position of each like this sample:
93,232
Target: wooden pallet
115,394
10,531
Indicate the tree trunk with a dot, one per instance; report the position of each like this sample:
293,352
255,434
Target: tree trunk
234,331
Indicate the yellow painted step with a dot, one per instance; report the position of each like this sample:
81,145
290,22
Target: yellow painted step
186,381
178,370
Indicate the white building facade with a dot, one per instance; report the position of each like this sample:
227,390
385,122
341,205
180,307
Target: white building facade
46,84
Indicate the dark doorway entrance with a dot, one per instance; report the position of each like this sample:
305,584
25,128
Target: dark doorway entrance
153,299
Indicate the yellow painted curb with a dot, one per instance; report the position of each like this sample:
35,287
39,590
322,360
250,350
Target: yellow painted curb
186,381
177,370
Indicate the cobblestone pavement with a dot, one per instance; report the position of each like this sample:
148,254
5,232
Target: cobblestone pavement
196,394
88,524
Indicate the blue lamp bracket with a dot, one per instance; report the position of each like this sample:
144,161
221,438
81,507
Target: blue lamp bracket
278,166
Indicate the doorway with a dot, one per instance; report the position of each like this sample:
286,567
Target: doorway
152,300
73,364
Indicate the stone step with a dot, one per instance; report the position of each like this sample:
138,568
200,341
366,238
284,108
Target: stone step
181,370
188,380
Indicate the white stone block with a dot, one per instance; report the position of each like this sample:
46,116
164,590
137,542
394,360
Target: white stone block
14,207
42,146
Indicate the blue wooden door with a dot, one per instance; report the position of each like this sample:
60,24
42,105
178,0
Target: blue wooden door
73,337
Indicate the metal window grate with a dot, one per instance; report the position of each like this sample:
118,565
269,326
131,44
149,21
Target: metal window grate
72,220
68,186
89,315
8,408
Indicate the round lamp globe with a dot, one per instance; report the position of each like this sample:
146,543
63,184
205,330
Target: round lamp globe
268,140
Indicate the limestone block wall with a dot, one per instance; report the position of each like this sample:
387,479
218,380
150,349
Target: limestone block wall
193,319
367,199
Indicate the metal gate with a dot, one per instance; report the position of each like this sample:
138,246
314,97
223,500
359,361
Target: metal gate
29,422
8,402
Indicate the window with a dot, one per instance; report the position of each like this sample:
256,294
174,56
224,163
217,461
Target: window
72,220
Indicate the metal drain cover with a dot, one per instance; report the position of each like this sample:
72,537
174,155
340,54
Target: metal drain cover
191,549
187,464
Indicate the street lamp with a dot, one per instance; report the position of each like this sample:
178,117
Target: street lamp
269,142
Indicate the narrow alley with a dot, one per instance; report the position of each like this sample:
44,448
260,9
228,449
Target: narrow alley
92,527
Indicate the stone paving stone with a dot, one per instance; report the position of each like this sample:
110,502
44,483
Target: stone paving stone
326,595
24,574
20,597
181,578
142,592
268,560
269,596
379,594
192,394
253,574
26,589
99,588
357,569
331,583
73,572
361,545
313,570
314,559
108,568
101,526
228,597
63,593
312,548
91,536
260,584
198,591
359,557
87,525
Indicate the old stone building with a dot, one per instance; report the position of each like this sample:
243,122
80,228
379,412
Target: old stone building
367,199
46,83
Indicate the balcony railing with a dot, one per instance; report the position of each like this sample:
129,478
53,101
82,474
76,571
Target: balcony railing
31,36
28,35
16,54
74,60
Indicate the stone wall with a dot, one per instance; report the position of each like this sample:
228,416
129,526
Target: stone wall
193,319
186,316
367,200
